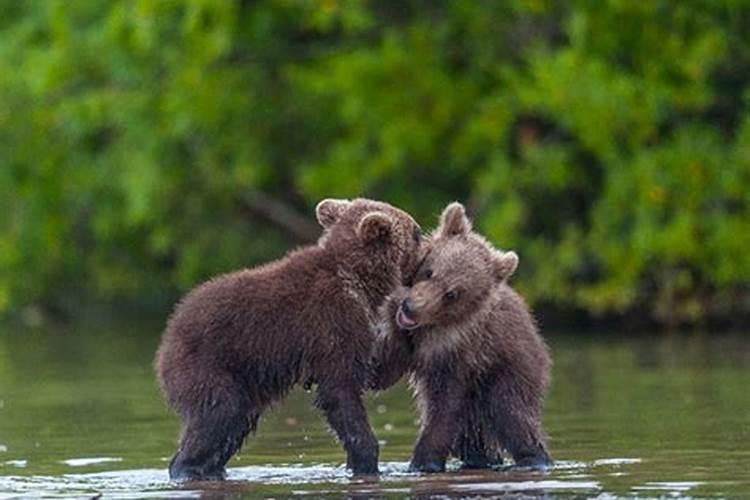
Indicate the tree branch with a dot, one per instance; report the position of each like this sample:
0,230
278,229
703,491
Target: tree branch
301,228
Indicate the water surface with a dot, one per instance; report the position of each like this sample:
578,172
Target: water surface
628,415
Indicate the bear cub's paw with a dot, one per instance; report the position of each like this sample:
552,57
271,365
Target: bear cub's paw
182,473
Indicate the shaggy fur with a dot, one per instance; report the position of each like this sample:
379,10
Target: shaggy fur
241,341
478,366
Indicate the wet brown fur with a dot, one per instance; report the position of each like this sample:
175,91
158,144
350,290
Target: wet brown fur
241,341
478,366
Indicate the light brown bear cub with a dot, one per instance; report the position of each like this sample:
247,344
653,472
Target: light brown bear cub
478,366
241,341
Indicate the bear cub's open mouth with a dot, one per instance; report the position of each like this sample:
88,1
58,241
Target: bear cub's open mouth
404,321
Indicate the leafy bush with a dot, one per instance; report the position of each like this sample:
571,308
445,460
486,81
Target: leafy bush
145,145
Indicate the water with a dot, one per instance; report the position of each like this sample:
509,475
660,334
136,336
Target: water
628,415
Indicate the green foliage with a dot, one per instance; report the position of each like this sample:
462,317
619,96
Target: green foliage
608,142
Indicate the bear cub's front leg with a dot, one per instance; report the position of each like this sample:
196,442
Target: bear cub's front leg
441,400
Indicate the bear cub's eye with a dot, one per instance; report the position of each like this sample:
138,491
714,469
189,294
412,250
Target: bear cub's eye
450,295
427,274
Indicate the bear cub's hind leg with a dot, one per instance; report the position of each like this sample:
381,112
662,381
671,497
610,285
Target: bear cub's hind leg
208,441
520,433
473,446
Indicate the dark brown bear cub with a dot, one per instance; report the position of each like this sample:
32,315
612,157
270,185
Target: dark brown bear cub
478,366
241,341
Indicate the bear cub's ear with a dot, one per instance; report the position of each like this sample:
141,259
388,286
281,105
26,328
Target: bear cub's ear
505,264
329,210
453,221
375,227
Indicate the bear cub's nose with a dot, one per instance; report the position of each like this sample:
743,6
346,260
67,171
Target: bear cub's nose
407,307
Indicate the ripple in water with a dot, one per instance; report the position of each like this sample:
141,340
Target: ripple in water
320,479
83,462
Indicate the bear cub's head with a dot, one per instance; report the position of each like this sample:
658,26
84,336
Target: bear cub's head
456,275
370,236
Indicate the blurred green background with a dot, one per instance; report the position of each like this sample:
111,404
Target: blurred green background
146,145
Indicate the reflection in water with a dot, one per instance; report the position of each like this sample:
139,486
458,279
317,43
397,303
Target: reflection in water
641,415
578,372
